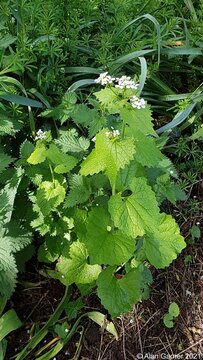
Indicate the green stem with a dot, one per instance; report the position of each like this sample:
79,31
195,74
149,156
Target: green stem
114,189
43,332
52,173
32,121
53,352
123,130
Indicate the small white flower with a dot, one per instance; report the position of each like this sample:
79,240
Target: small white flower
197,223
112,134
104,79
137,103
116,133
108,133
97,204
62,276
40,134
171,172
195,197
125,82
66,330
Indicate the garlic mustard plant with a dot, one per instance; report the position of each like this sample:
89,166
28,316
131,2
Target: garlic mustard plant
96,198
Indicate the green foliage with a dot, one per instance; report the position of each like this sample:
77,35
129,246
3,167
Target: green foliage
109,156
173,312
74,267
119,295
13,236
97,203
137,213
90,186
8,323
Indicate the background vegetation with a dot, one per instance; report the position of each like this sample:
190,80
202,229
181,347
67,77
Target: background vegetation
48,48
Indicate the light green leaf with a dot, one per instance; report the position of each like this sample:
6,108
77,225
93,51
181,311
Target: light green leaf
163,245
146,151
101,320
106,245
39,154
138,119
9,322
50,194
174,309
79,191
76,269
64,163
70,142
137,213
197,134
168,321
119,295
109,155
126,175
108,98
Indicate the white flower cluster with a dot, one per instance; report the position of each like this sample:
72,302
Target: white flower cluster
40,134
112,134
125,82
104,79
137,103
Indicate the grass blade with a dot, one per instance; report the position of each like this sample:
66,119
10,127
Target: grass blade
178,119
190,6
175,97
10,80
131,56
143,75
82,70
157,27
80,83
21,100
182,51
